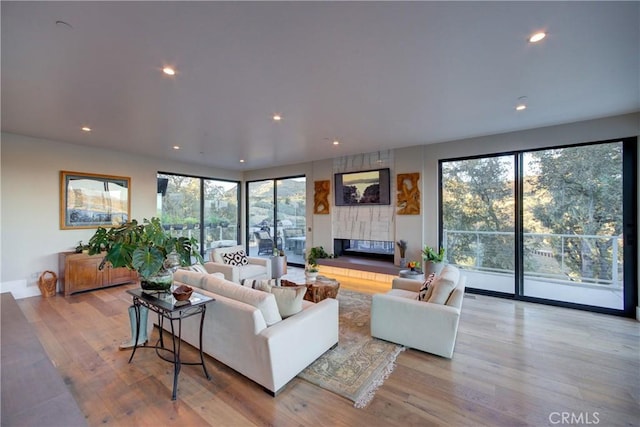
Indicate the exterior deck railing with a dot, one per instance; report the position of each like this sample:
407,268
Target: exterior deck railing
546,255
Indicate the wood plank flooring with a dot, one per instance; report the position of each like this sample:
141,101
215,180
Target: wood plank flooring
515,364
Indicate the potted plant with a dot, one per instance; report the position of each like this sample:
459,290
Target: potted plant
144,248
311,271
402,246
433,260
82,248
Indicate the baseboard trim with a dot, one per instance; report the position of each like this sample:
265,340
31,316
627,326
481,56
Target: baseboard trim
19,289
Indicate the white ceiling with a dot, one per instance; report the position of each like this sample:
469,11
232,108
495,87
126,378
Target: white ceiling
373,75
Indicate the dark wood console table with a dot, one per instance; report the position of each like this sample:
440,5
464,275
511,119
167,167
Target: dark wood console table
167,307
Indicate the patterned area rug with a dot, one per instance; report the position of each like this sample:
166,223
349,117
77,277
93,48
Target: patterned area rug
360,363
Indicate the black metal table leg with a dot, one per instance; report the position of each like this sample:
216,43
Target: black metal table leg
204,367
176,357
169,309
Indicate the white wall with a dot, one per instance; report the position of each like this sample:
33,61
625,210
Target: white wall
31,235
410,227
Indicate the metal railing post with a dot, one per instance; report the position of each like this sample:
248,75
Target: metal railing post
562,253
477,249
614,261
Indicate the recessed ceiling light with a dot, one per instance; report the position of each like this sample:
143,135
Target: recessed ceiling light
521,103
277,117
537,37
169,71
86,128
176,147
336,142
241,160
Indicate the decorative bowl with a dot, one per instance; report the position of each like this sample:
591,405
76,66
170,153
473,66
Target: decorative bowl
182,292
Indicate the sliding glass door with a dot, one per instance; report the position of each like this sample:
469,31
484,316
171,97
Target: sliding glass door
573,245
291,195
276,218
261,218
478,220
202,208
554,225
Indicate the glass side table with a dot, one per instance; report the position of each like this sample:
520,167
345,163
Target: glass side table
412,274
167,307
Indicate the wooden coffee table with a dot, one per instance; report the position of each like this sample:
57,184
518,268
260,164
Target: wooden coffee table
318,290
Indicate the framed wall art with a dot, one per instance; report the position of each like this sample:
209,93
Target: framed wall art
321,197
408,200
90,200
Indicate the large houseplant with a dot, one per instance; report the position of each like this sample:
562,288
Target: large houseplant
433,260
144,248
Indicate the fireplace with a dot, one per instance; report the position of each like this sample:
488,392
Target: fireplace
371,249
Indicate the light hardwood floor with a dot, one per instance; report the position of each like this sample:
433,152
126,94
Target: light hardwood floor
515,364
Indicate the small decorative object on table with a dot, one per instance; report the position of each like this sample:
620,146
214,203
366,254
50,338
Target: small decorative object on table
402,246
414,271
182,292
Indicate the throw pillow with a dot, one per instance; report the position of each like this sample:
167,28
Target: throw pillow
260,284
235,258
198,268
426,289
288,298
442,288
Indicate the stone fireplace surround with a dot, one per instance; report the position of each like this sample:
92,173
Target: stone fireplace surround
375,223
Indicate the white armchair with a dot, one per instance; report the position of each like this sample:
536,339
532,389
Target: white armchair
257,268
399,317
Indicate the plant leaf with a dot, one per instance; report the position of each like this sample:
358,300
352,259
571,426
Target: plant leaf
147,261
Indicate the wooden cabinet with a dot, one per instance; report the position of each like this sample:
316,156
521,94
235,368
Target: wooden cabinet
80,272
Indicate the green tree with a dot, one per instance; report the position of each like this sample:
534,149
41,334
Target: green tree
478,196
579,193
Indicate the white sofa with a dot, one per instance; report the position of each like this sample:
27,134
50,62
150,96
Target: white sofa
399,317
243,330
257,268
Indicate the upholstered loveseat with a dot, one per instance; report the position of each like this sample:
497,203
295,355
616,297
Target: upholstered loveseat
230,261
398,316
244,330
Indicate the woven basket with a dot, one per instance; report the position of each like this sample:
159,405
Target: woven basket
46,284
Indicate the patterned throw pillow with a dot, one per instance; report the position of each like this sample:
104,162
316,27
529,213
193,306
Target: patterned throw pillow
426,289
235,258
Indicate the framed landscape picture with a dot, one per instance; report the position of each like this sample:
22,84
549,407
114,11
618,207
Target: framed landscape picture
90,200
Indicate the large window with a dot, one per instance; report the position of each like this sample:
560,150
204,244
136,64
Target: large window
206,209
276,218
546,225
478,216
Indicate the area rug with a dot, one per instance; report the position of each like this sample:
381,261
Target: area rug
360,363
